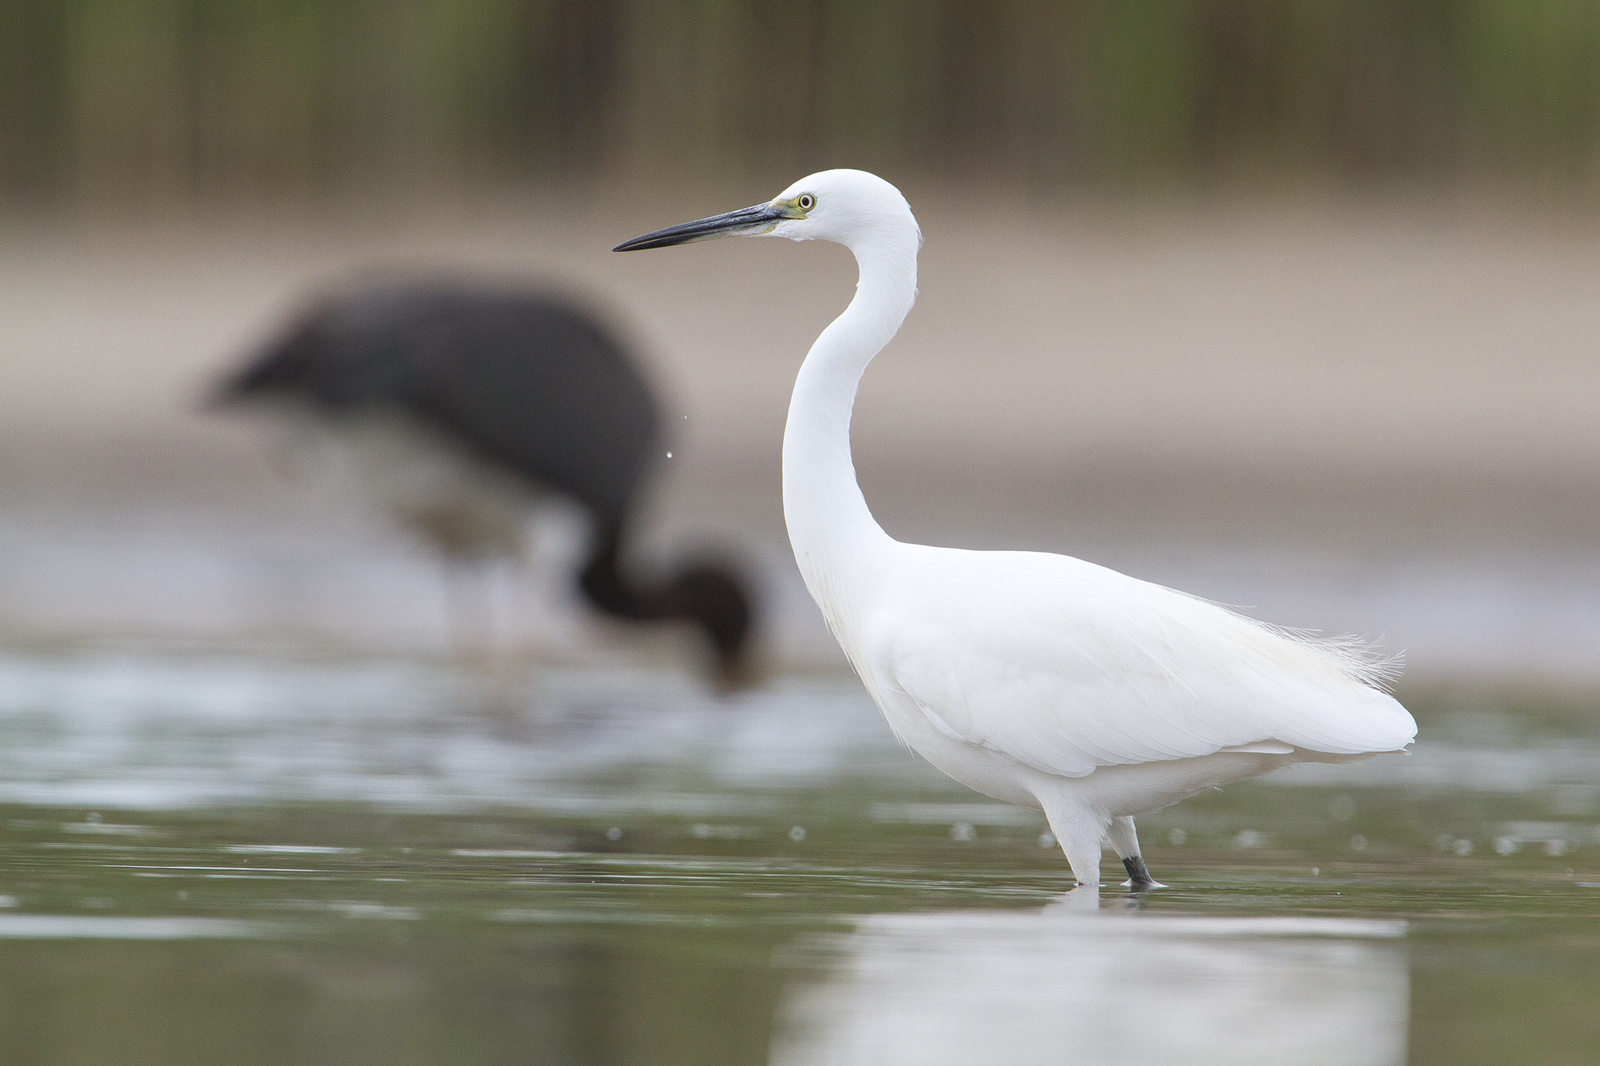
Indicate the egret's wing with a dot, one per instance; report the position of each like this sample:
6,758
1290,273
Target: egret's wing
1066,667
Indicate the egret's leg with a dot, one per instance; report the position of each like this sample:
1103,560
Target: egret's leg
1081,832
1125,839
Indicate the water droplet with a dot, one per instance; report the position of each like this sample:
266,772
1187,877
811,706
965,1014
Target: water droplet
614,833
1249,838
93,818
1555,847
797,834
1358,843
1178,837
669,455
1047,839
1463,847
701,830
1504,845
963,831
1316,871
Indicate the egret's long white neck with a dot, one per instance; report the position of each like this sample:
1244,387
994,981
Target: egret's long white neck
836,541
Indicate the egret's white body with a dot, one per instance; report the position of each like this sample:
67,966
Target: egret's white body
1038,679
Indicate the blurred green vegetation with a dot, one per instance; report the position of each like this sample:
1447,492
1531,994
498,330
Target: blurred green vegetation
107,102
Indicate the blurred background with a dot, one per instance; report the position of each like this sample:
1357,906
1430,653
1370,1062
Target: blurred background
1290,304
1293,304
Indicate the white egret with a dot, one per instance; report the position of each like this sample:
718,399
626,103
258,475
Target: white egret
1038,679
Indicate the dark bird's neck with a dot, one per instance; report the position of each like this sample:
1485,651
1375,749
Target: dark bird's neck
707,596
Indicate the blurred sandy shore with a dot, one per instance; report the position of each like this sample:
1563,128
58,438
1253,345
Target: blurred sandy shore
1365,417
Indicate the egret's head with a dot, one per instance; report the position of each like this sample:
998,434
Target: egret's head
846,206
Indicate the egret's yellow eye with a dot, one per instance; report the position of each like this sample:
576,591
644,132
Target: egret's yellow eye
806,201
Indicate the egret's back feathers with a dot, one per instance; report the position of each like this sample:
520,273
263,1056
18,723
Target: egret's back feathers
1066,666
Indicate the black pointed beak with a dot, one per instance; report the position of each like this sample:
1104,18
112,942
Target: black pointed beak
757,219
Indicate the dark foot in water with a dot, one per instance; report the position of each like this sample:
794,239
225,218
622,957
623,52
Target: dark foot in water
1139,877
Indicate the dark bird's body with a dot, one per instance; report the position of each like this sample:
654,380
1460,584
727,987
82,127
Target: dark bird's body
460,404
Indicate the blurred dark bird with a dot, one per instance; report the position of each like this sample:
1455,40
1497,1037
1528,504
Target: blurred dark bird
460,405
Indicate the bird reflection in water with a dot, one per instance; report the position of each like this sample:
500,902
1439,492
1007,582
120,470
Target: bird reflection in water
1058,985
456,407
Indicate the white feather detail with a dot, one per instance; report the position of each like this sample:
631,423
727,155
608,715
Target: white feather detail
1066,666
1265,747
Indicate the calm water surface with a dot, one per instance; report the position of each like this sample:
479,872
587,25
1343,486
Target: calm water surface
263,859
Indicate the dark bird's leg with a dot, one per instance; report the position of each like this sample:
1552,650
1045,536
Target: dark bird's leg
477,637
469,588
1126,842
